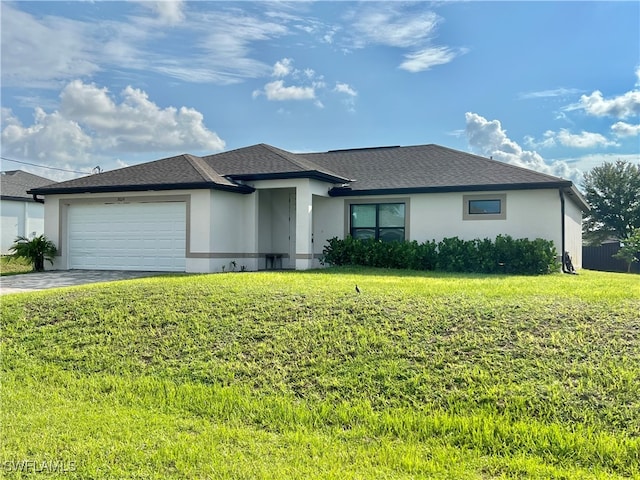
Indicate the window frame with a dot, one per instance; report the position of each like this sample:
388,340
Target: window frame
349,229
466,204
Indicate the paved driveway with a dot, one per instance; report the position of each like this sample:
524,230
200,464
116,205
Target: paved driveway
29,282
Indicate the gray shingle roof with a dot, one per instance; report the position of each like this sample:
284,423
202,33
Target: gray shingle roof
425,167
419,168
181,171
14,184
262,160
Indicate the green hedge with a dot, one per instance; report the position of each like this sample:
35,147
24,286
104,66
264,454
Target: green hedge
503,255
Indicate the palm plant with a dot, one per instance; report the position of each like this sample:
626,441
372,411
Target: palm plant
36,250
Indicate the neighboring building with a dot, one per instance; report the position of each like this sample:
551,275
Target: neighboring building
21,214
261,207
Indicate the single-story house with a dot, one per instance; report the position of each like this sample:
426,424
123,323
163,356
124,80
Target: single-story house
261,207
21,215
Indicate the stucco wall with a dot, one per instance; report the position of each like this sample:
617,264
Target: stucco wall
573,233
19,219
530,214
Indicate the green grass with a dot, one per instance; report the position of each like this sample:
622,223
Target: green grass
12,266
294,375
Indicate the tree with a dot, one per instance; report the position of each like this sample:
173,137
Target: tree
630,249
36,250
613,193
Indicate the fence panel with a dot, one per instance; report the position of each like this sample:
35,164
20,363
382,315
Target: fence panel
600,258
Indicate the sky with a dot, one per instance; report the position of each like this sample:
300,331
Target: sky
91,85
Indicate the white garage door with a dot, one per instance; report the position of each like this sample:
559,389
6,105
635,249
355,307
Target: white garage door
132,236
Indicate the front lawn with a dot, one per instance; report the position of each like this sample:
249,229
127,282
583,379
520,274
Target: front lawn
295,375
12,266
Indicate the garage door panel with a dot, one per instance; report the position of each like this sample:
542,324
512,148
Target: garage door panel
134,236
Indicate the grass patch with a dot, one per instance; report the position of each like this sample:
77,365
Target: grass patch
12,266
267,375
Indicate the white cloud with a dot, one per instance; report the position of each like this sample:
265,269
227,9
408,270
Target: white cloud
282,68
385,24
623,129
345,88
429,57
56,48
277,91
89,123
556,92
567,139
622,106
400,26
60,49
488,138
170,12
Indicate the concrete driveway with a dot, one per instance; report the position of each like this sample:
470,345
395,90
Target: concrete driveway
29,282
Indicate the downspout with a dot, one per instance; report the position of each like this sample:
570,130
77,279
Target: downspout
562,229
36,199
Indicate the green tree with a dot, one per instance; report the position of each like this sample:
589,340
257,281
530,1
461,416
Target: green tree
613,192
36,250
630,249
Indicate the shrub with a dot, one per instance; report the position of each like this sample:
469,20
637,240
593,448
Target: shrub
452,254
36,250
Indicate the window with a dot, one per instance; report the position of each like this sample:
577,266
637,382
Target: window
380,221
484,207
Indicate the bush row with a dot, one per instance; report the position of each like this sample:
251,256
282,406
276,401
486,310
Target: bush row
503,255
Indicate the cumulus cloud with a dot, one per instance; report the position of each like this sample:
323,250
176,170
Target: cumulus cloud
277,91
623,129
403,27
622,106
90,122
573,140
488,138
283,67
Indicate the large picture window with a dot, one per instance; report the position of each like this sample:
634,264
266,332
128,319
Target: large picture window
379,221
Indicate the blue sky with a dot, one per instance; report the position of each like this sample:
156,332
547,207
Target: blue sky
552,86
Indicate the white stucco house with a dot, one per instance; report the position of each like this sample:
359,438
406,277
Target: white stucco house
261,207
21,214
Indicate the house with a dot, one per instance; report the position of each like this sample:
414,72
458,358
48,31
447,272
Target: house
261,207
21,214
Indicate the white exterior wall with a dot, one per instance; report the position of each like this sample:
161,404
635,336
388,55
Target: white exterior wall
573,233
225,227
434,216
19,219
529,214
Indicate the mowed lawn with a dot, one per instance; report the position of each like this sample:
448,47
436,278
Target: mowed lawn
295,375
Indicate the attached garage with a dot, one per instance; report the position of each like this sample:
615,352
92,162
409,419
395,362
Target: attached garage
127,236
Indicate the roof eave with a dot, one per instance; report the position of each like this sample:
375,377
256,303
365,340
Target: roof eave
143,188
348,192
16,199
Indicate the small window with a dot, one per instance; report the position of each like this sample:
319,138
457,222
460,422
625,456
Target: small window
378,221
484,207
